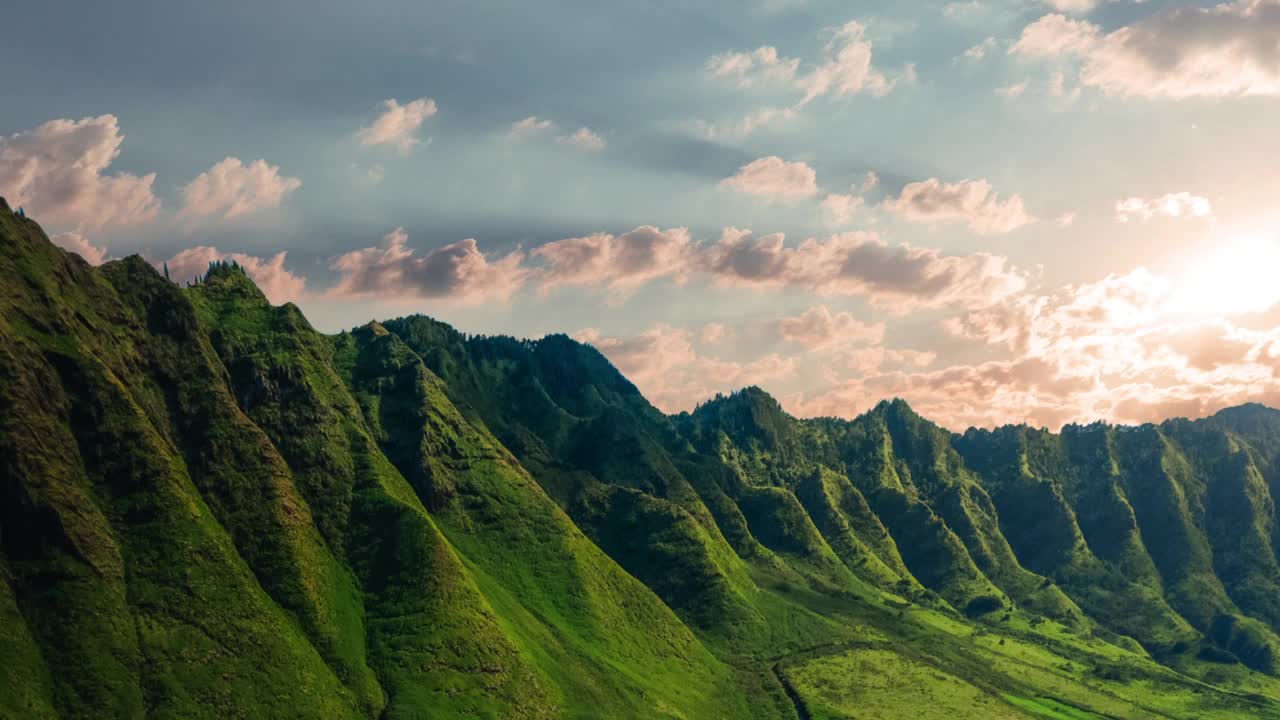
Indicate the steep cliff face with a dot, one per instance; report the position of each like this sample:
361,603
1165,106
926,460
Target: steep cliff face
209,509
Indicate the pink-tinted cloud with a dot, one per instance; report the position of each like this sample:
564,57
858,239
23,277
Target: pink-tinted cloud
616,261
58,172
846,67
663,363
818,329
1117,349
1174,205
459,271
80,245
774,178
583,139
971,202
763,64
898,278
231,189
1178,52
529,126
398,124
276,282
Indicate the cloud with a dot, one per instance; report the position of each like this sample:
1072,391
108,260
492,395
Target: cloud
1054,35
775,178
748,68
1178,52
57,172
897,278
662,362
848,69
715,333
1072,6
818,329
529,126
1118,349
231,189
1012,91
398,124
841,207
1174,205
616,261
971,202
584,139
755,120
458,271
78,244
978,52
269,274
868,360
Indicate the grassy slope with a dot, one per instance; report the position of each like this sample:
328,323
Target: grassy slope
197,518
216,511
799,502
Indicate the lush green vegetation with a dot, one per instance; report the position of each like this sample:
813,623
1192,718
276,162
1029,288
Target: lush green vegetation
209,509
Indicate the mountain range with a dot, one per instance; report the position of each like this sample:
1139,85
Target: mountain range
210,509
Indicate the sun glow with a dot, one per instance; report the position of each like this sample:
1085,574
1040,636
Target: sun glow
1234,277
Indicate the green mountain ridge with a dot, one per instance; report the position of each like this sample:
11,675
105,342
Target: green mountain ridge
209,509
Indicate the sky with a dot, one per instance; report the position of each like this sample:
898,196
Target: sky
1003,211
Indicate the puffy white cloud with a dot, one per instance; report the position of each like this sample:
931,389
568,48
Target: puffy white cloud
616,261
663,363
398,124
820,329
80,245
57,171
775,178
458,271
529,126
269,274
231,189
1174,205
583,138
1177,52
972,202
